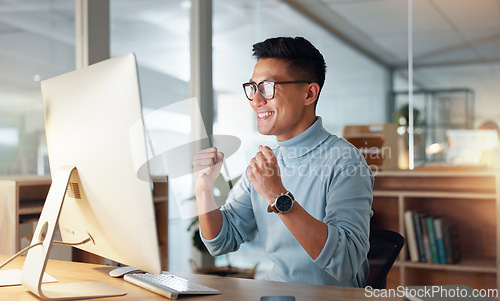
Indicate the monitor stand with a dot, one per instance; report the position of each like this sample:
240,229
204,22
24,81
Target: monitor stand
37,257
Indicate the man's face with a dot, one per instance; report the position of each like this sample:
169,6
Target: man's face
284,116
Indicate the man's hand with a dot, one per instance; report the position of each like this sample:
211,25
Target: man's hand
207,165
264,173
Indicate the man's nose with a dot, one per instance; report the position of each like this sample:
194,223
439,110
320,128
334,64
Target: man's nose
258,100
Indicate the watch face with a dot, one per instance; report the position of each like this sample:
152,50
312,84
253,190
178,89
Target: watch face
284,203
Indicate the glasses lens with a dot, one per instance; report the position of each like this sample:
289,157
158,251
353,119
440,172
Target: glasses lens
249,90
266,90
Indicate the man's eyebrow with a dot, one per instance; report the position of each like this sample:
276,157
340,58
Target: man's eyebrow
267,79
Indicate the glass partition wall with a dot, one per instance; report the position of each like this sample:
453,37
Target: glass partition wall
37,42
455,80
158,33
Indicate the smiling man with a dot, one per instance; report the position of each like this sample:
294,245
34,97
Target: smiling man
310,198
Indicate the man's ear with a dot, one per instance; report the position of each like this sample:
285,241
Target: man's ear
312,94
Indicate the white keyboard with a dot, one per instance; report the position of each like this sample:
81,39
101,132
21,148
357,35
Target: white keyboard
168,285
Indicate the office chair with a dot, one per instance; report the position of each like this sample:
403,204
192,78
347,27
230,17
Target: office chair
385,246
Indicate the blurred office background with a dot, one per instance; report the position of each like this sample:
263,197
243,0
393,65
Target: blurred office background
456,46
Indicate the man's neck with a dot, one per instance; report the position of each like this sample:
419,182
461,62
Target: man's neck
307,124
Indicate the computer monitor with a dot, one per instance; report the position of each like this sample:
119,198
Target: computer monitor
96,144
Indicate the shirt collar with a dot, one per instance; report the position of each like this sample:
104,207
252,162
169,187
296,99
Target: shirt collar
305,142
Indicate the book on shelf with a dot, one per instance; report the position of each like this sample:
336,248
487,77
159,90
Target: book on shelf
432,239
426,241
441,248
419,236
410,236
452,249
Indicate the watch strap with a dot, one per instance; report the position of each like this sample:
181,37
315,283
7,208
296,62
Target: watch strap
272,208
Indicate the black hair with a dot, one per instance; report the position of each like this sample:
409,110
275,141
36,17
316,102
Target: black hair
305,62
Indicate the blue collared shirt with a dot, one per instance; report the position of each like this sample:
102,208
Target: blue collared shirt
332,182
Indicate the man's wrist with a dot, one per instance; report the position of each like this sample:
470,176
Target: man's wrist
274,195
203,189
205,199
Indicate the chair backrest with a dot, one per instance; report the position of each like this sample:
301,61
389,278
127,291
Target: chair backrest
385,246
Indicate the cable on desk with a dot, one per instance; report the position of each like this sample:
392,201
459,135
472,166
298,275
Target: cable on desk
39,243
20,253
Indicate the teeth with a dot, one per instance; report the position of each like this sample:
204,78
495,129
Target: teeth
265,114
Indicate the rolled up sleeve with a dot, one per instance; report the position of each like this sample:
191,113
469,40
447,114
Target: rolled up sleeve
348,213
238,223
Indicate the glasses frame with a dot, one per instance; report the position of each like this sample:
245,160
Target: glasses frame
256,87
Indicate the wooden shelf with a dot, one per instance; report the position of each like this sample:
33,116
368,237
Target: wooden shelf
25,197
31,209
434,194
465,265
469,200
159,199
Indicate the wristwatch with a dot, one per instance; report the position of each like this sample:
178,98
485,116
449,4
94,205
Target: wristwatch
282,204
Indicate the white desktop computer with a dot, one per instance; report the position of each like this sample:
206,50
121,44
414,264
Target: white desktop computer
96,197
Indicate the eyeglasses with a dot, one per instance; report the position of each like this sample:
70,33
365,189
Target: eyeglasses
266,88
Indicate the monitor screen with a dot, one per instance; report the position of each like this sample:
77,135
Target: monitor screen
93,121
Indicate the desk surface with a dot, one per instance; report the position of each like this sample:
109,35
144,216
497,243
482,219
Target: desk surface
232,288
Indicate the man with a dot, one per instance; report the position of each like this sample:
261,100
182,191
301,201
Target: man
310,198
